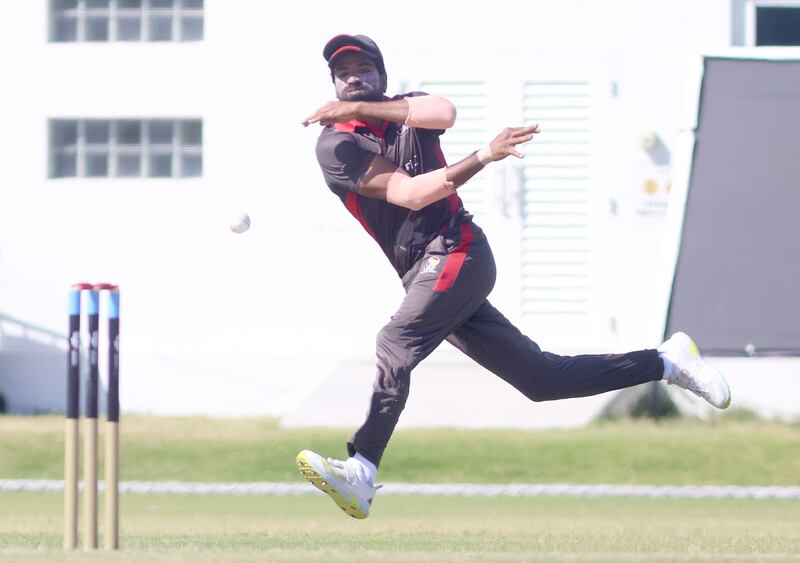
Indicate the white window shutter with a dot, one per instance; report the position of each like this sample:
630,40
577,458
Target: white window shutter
563,262
548,232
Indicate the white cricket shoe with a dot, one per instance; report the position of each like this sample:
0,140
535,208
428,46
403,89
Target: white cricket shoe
345,482
694,373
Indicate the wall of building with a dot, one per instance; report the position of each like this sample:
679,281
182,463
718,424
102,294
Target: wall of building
243,324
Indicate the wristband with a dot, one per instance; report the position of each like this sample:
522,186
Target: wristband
484,155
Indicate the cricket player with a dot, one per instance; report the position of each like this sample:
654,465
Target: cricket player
381,157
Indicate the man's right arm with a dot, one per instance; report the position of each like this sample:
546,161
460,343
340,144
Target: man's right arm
425,112
384,180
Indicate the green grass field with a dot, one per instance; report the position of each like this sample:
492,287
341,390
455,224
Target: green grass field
727,452
305,528
414,528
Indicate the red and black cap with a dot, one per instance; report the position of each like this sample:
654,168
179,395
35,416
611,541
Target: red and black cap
348,43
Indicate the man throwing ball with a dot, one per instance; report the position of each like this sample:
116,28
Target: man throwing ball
381,157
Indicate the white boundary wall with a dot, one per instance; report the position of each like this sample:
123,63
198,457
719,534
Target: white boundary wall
222,324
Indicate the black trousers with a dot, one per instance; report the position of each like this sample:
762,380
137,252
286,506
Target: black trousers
446,300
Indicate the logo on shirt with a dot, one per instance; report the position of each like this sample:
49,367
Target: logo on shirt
412,165
430,265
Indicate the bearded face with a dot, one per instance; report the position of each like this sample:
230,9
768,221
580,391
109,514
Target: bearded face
356,78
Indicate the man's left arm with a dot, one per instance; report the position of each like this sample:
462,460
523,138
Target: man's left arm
424,112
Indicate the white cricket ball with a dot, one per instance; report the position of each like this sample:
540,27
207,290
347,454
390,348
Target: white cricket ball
239,223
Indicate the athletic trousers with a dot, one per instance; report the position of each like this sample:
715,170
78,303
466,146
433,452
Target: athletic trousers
446,300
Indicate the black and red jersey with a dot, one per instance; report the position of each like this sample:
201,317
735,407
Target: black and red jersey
345,151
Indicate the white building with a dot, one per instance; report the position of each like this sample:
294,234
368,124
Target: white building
132,129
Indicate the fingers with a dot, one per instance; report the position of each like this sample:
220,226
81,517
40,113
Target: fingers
523,131
516,136
519,135
319,114
313,118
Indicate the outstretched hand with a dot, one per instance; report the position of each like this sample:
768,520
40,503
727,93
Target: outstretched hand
507,140
333,112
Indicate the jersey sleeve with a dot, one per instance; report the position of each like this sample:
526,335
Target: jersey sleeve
342,161
428,132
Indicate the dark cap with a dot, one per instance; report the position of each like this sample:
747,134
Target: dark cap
358,43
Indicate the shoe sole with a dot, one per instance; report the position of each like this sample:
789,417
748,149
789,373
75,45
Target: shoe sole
725,387
700,363
349,506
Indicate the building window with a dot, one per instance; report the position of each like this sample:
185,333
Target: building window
765,23
126,20
126,148
777,25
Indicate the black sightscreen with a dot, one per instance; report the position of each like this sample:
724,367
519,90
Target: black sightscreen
777,26
737,282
